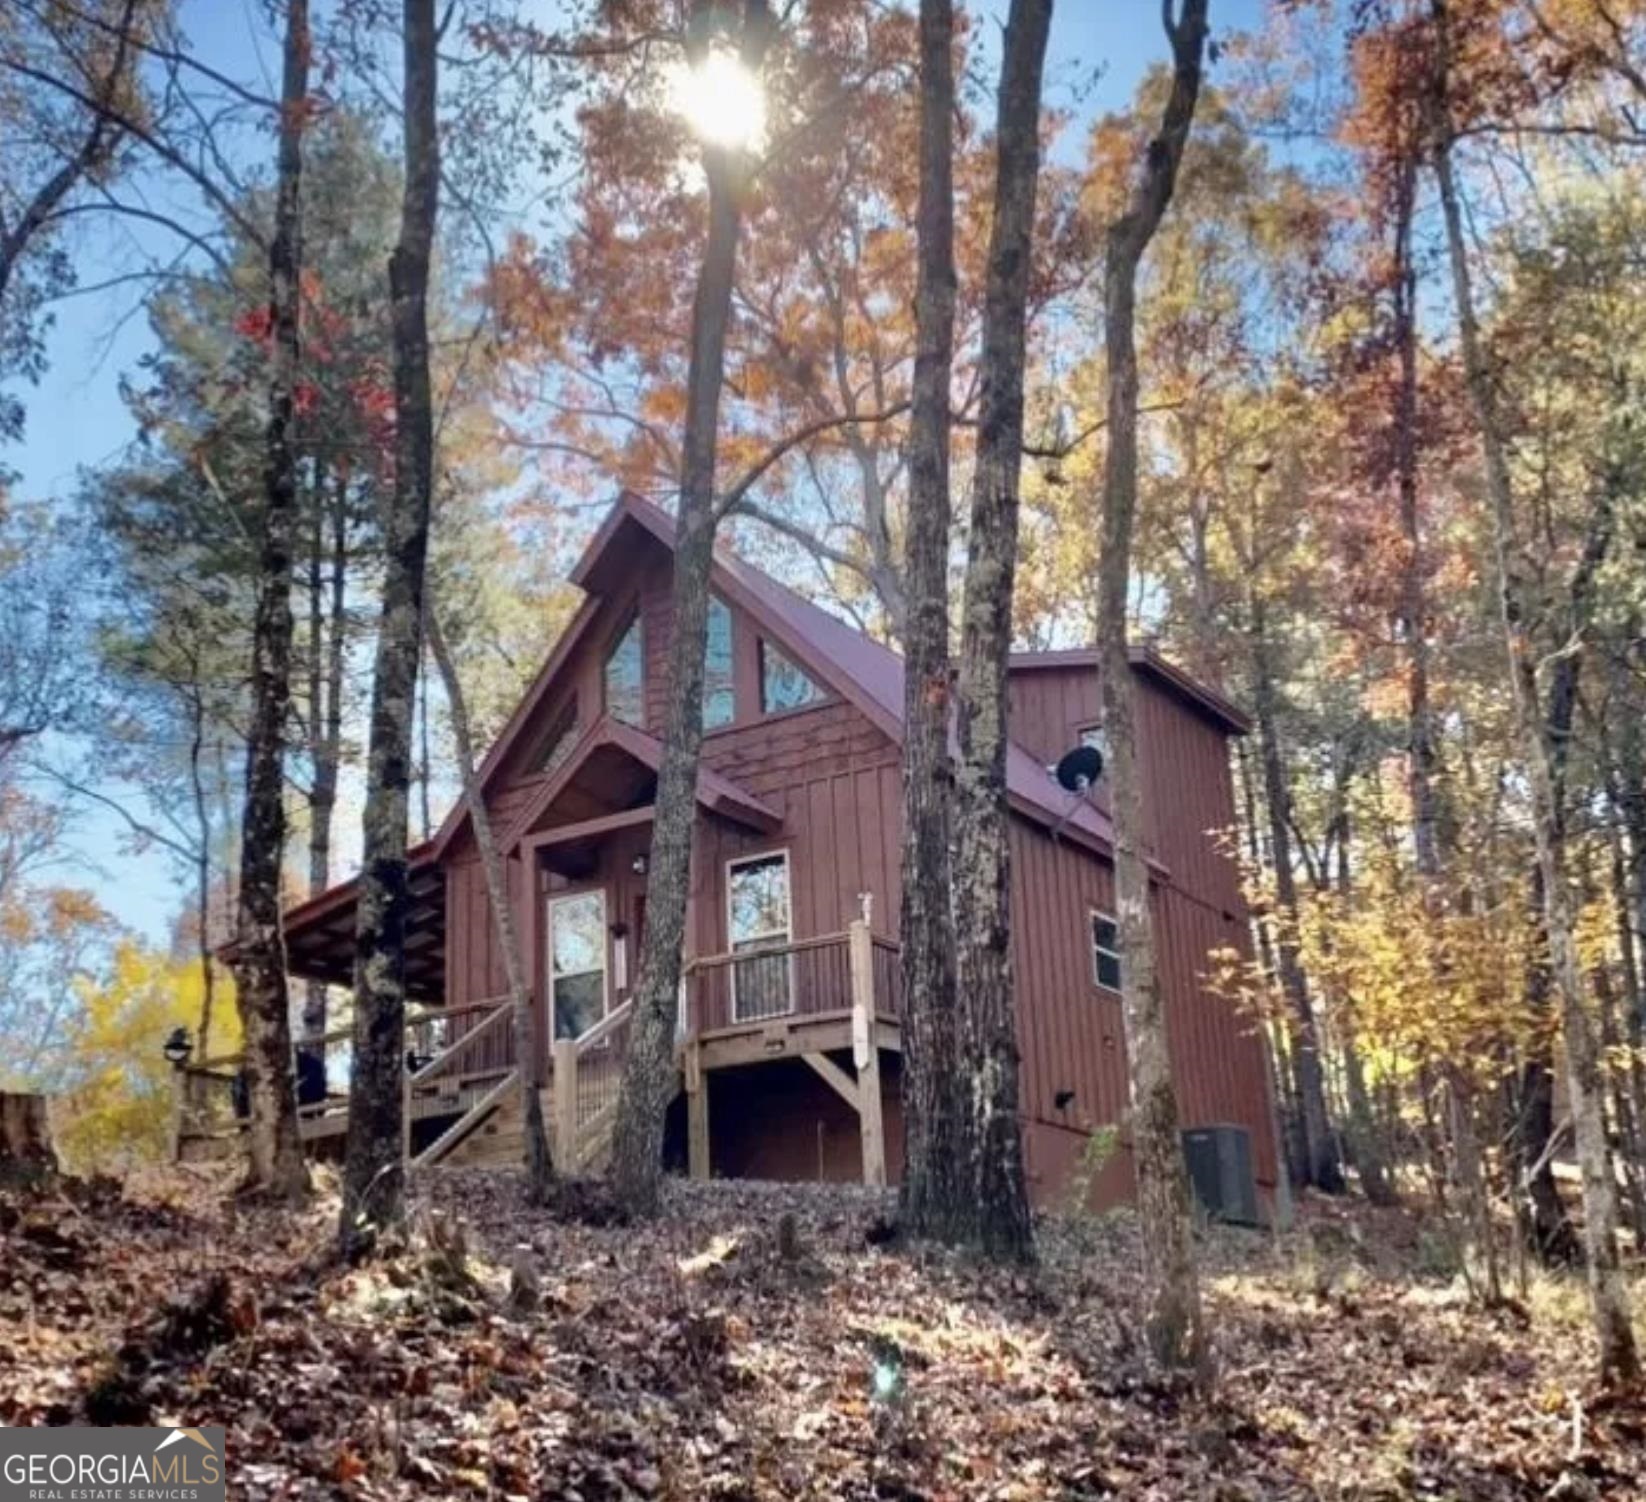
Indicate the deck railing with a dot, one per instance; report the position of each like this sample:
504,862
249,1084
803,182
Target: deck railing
460,1060
801,978
452,1056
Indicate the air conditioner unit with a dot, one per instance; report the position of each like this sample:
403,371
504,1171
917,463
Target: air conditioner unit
1220,1168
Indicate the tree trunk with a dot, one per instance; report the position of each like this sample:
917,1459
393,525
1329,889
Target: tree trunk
1540,1215
1619,1359
1367,1138
326,621
982,891
539,1171
275,1149
649,1069
1177,1333
1319,1146
937,1195
374,1168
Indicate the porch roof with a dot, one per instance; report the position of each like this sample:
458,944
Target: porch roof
607,740
320,931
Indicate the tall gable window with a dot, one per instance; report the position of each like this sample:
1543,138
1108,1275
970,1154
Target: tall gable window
782,684
719,697
626,678
558,743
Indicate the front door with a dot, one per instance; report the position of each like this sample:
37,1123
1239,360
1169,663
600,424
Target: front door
577,961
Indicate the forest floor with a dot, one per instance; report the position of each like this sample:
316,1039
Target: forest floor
720,1353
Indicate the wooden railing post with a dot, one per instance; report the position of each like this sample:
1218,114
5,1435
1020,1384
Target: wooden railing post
866,1052
697,1112
565,1104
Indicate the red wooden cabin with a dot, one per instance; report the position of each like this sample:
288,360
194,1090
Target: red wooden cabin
789,1010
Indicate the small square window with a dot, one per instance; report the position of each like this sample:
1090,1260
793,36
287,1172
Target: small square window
1106,951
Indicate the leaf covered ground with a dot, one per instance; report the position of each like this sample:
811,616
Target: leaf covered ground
767,1342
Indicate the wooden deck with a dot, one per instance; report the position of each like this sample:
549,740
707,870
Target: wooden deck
842,1001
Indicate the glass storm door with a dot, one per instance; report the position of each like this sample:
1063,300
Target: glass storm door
757,892
577,962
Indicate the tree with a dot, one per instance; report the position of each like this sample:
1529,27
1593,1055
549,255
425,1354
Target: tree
1619,1358
374,1169
539,1171
275,1149
981,817
936,1194
67,75
1176,1329
648,1069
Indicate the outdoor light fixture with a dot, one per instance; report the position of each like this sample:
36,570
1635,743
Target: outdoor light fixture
721,100
177,1047
638,865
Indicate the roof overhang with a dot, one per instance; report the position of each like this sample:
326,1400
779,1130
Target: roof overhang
1225,713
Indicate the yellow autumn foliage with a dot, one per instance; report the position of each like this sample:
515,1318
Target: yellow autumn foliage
118,1112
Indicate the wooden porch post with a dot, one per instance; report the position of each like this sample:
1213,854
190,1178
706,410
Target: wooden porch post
866,1053
697,1113
565,1105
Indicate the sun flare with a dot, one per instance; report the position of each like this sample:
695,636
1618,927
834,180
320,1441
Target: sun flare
722,101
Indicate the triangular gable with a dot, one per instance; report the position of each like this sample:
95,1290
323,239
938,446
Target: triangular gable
861,670
718,794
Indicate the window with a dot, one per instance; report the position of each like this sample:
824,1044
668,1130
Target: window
558,743
719,699
1106,951
577,962
782,684
757,902
625,678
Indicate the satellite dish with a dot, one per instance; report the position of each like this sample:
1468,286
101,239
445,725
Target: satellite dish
1079,768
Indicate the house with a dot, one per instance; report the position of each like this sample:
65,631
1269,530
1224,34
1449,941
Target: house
789,1010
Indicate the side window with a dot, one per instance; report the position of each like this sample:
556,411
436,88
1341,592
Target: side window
1106,951
719,697
782,684
625,678
562,736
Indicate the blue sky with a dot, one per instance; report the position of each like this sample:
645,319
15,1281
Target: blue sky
76,419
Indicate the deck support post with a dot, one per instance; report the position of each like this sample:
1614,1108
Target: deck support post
565,1106
697,1113
866,1053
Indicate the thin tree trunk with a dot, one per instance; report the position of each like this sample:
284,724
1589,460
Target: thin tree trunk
374,1169
1283,1102
1370,1148
1177,1332
202,863
327,733
982,866
937,1193
1320,1160
275,1149
1630,1084
649,1069
539,1171
1619,1359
